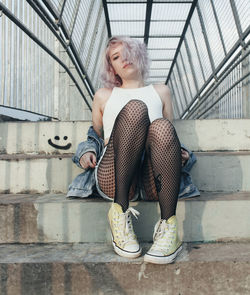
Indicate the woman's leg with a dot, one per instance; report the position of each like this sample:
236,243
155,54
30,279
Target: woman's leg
163,161
162,166
117,169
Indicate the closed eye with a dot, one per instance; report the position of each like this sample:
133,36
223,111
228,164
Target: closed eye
115,57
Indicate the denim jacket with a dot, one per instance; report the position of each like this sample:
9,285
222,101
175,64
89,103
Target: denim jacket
84,184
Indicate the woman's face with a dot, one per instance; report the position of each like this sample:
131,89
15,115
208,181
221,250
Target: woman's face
121,67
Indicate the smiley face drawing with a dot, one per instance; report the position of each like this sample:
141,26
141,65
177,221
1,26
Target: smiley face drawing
61,147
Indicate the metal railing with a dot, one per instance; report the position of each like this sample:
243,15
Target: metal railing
29,73
210,77
43,39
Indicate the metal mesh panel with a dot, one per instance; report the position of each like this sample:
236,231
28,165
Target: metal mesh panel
211,41
131,28
184,79
231,104
161,54
162,43
159,73
26,71
173,11
82,24
228,29
175,93
226,100
181,92
189,74
243,9
127,18
128,1
90,32
98,60
200,41
195,58
212,31
166,28
98,47
22,10
160,64
127,12
57,4
172,1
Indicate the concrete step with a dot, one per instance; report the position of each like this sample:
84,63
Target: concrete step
205,269
53,218
63,137
214,171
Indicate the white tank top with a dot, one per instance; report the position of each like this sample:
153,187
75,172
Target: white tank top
121,96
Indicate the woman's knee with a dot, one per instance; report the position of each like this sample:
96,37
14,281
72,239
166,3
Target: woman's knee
135,111
162,129
161,126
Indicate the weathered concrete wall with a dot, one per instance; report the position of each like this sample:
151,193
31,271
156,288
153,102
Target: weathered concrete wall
53,218
197,135
94,269
45,149
53,173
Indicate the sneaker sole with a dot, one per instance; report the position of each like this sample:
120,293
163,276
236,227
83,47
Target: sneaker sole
126,254
162,259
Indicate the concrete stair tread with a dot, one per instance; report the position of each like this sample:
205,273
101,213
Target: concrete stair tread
213,171
61,198
34,156
52,218
103,253
94,269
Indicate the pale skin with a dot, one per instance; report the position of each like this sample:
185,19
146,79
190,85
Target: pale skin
131,78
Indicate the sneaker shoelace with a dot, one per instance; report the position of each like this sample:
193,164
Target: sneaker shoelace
126,230
164,235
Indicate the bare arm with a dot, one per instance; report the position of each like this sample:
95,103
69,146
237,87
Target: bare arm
97,113
89,159
100,99
165,95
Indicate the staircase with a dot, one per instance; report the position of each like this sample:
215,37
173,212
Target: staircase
53,245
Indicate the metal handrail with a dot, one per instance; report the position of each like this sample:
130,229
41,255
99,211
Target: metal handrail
13,18
190,108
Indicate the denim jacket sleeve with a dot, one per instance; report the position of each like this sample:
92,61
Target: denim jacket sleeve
187,188
84,184
92,144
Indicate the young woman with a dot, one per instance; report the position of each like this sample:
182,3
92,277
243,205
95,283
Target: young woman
135,122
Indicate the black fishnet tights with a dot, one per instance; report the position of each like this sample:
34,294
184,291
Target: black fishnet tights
162,166
117,171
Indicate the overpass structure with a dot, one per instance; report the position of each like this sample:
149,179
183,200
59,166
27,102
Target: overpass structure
51,53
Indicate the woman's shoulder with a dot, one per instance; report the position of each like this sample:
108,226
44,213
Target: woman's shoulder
162,89
103,93
101,97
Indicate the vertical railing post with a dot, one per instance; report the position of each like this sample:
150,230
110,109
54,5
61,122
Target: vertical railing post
55,106
246,86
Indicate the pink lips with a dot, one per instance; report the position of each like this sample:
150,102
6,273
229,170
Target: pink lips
126,65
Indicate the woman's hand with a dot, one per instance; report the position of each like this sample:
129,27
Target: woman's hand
184,157
88,160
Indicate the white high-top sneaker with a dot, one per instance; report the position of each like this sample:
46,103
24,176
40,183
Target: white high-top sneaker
123,237
166,244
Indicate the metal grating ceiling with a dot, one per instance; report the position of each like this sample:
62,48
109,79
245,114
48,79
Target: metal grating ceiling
161,24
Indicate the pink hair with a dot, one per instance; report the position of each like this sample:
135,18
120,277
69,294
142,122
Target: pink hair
133,51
